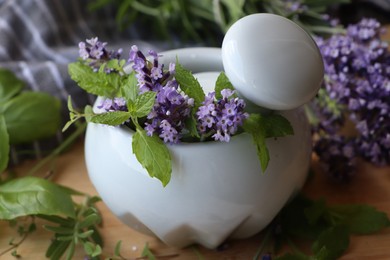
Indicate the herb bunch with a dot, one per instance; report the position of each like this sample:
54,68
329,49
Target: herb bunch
165,106
207,20
327,227
356,90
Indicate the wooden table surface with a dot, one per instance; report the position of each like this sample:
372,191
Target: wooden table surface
370,186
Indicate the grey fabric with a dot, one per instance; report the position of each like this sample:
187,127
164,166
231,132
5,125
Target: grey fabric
38,38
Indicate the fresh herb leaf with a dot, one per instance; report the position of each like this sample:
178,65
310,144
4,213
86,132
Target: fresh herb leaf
146,252
110,118
97,83
144,103
360,219
295,221
315,211
31,116
222,83
153,155
332,243
92,249
31,195
189,84
10,85
117,250
191,124
276,125
253,125
129,89
4,145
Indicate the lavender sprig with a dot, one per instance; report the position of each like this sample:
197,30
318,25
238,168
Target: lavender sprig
221,118
356,88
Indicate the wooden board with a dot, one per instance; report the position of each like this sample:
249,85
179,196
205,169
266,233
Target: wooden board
371,185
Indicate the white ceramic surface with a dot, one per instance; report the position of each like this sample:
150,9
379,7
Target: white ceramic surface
217,190
272,61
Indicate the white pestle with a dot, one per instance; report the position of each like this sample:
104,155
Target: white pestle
272,62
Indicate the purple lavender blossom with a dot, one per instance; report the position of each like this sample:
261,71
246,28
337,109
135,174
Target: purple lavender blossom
172,108
221,118
357,88
116,104
95,53
338,157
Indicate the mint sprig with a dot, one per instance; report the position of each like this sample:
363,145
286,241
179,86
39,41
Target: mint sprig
266,126
189,84
97,83
153,155
328,227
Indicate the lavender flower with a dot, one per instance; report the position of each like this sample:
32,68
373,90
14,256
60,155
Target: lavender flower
338,157
95,53
116,104
171,109
356,88
221,118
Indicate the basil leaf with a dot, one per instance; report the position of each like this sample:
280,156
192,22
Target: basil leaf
253,125
32,195
4,145
153,155
31,116
276,126
10,85
332,243
361,219
144,103
97,83
129,89
111,118
222,83
189,84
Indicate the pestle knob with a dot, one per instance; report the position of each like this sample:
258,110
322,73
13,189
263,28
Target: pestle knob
272,62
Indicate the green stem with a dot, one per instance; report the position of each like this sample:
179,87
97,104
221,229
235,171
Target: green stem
65,144
263,244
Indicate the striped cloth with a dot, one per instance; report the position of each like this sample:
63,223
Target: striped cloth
38,38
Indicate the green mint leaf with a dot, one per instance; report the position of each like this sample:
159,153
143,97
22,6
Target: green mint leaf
190,124
31,196
253,125
315,211
129,89
189,84
10,85
31,116
276,126
294,220
361,219
222,83
144,103
332,243
153,155
4,145
115,64
97,83
146,252
110,118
